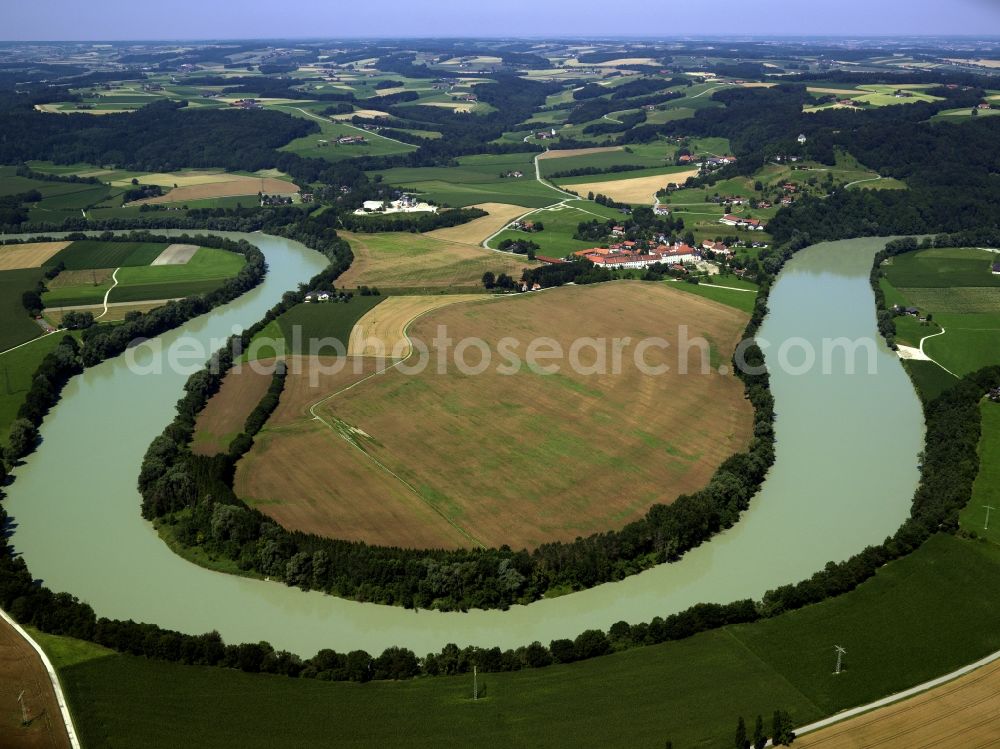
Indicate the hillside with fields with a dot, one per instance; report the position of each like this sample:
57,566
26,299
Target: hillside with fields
622,377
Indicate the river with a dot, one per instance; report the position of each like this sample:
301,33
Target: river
844,476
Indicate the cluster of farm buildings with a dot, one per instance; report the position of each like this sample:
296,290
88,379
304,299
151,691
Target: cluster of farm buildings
638,255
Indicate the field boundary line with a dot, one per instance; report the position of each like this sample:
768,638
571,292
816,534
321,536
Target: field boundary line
114,277
898,696
372,458
770,667
13,348
56,686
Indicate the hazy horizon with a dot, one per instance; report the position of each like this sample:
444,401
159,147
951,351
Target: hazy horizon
187,20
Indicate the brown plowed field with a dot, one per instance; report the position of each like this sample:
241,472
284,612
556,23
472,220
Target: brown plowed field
518,458
962,714
21,670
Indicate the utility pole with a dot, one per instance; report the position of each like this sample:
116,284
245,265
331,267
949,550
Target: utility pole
475,683
840,654
24,709
988,508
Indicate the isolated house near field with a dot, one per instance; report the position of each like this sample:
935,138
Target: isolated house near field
801,139
318,296
996,269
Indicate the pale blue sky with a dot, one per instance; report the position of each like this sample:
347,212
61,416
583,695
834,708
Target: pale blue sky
200,19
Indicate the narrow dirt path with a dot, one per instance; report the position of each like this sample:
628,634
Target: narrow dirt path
114,277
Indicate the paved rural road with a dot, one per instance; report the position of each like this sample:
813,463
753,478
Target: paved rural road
51,671
898,696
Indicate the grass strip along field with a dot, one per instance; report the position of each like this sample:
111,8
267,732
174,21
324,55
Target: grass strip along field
529,457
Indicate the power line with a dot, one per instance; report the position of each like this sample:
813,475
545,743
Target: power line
840,655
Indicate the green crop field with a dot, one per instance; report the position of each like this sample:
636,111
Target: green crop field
477,179
85,254
956,287
15,325
742,300
919,617
17,371
651,155
929,379
310,145
556,238
986,491
969,343
204,272
942,268
323,320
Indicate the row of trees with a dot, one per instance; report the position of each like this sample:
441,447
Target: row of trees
422,221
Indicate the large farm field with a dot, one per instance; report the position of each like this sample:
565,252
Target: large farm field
30,255
16,327
531,435
631,189
475,231
416,261
956,287
93,268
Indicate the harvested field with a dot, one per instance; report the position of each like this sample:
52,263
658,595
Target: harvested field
181,179
403,260
367,113
223,418
92,277
382,330
116,310
22,670
502,456
453,105
475,231
956,715
566,152
176,254
840,91
636,189
225,189
32,255
298,493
